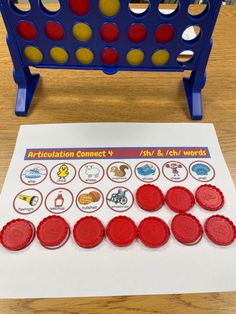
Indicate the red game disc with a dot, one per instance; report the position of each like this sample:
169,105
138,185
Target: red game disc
220,230
137,33
149,197
53,232
17,234
179,199
121,231
110,56
54,31
80,7
88,232
209,197
109,32
153,232
164,34
186,229
27,30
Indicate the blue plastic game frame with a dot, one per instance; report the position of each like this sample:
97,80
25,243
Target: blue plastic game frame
152,19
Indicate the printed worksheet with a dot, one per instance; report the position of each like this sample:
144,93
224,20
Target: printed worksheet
78,170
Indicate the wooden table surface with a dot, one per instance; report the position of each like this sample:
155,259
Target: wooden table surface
72,96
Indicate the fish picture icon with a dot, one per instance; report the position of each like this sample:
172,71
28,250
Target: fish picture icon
31,200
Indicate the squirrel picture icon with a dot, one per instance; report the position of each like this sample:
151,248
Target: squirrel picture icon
119,171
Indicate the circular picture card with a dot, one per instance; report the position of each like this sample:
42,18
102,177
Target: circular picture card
34,174
91,173
59,201
119,172
27,201
89,200
120,199
147,171
62,173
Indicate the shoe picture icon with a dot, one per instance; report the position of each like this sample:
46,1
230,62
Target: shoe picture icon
146,170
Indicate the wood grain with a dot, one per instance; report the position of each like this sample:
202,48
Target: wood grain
73,96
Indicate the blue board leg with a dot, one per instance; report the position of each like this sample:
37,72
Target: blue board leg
193,86
27,84
194,99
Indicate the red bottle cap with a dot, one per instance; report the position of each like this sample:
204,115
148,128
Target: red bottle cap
88,232
137,33
110,56
153,232
17,234
109,32
53,232
149,197
186,229
54,31
179,199
121,231
220,230
209,197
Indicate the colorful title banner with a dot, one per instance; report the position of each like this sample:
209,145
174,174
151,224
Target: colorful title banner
117,153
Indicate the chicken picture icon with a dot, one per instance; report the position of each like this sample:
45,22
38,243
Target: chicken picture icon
63,172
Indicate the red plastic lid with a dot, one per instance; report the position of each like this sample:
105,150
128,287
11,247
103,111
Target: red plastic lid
17,234
109,32
149,197
110,56
220,230
186,229
137,33
179,199
121,231
80,7
164,34
54,31
209,197
153,232
53,232
88,232
27,30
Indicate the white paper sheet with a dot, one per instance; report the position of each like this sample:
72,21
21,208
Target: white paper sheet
108,270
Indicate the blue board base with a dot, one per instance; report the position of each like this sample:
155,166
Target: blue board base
194,99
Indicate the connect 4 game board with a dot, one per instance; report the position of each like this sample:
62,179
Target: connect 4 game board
117,209
107,35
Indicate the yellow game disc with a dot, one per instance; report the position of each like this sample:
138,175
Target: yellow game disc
160,57
59,55
135,57
82,31
84,55
109,7
33,54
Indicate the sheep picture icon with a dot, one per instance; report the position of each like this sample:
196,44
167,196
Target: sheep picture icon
92,171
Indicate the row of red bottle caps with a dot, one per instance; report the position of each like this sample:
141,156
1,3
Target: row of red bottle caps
179,199
88,232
